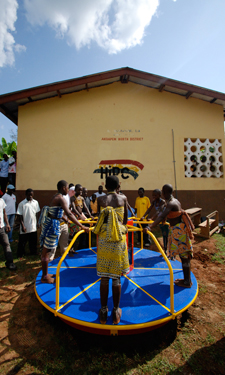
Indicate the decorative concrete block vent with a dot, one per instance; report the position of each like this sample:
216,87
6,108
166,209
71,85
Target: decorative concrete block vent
203,158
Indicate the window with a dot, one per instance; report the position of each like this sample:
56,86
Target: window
203,158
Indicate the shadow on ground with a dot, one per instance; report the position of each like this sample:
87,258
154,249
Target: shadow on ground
54,347
201,361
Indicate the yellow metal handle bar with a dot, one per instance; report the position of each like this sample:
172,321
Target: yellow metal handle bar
133,229
58,269
60,262
139,221
129,229
88,221
171,272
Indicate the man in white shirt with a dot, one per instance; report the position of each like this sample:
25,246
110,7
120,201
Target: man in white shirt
28,210
4,241
10,200
99,193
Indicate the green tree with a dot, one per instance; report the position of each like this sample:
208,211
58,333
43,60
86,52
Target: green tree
7,148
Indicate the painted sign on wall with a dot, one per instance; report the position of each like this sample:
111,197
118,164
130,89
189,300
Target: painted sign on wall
124,167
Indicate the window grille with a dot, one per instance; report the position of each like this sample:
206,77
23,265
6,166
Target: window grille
203,157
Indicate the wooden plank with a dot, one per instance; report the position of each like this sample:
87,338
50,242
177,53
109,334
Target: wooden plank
204,224
194,210
214,230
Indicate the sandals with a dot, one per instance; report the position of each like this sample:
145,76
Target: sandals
181,283
103,315
116,315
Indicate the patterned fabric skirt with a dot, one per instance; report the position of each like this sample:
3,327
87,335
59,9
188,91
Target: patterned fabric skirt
73,229
50,232
112,257
179,242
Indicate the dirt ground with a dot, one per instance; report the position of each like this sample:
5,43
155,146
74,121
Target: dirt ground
33,341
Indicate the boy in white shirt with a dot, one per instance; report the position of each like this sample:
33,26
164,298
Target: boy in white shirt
10,200
28,210
4,241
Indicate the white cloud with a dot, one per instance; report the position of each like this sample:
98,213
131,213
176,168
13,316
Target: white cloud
113,24
8,46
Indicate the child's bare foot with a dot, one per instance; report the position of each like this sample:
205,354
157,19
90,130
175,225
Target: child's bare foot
72,252
117,313
181,283
48,279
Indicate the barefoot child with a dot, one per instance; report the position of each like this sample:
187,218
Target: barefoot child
51,227
180,234
112,256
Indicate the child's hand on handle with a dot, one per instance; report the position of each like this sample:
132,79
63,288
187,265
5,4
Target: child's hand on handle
86,229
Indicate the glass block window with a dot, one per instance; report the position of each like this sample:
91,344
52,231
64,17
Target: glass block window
203,158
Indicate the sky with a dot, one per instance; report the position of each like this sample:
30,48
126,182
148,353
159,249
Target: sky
45,41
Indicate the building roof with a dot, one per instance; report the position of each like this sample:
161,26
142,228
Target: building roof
10,102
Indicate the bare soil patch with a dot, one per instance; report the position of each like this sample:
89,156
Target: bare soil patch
33,341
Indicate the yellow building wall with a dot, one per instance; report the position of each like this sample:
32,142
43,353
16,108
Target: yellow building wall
65,138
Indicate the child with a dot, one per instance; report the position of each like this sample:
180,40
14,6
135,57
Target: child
79,203
50,231
27,211
4,241
112,255
94,205
10,200
142,203
159,205
130,209
180,234
100,192
86,200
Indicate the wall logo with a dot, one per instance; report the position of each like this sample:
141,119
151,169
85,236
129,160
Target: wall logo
125,168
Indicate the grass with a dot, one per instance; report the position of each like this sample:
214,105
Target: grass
202,288
176,348
220,246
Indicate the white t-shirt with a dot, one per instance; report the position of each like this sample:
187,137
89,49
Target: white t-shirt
98,195
28,210
12,168
10,201
67,199
2,206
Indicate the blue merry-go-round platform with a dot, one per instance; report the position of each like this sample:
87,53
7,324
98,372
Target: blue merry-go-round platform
149,297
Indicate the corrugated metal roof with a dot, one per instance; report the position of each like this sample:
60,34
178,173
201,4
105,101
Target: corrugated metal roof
10,102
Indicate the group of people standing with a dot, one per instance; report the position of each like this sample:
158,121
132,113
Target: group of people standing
27,212
7,171
71,205
112,255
